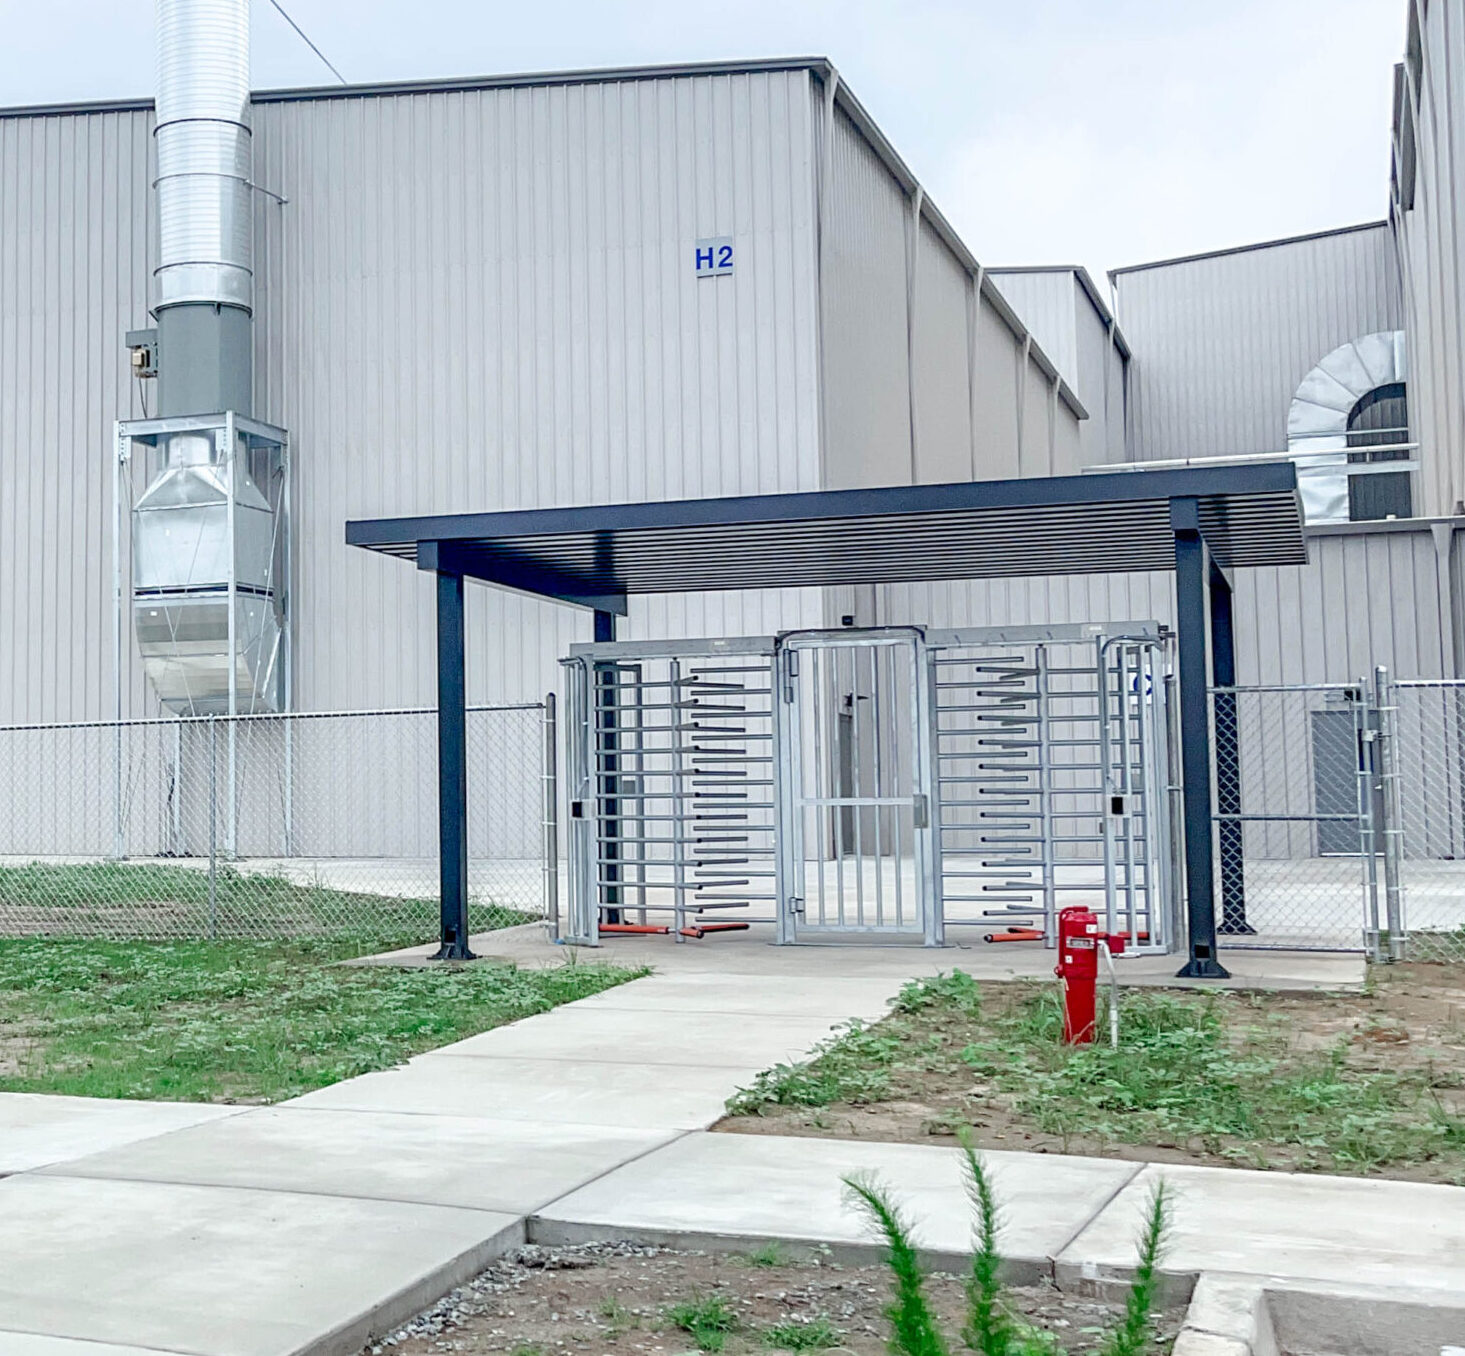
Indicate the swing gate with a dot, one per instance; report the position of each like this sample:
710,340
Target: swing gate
873,784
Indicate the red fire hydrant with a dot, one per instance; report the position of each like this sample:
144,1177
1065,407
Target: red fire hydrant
1078,968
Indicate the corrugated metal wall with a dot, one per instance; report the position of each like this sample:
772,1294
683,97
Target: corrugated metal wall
1043,297
866,356
472,299
1365,598
1432,246
486,299
73,277
1064,320
1102,383
1222,341
907,344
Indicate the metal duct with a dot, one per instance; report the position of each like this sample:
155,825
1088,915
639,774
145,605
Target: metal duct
204,154
207,606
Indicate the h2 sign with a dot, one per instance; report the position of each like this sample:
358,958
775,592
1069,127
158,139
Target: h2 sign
714,257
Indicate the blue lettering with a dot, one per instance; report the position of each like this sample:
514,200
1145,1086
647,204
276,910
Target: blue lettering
704,259
724,257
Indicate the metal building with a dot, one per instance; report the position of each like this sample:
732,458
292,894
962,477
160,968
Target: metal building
489,292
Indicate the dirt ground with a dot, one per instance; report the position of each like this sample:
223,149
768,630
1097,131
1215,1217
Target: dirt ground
614,1298
1412,1018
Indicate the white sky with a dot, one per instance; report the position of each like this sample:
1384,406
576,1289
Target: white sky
1101,132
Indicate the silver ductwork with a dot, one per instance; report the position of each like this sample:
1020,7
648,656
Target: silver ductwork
205,158
207,599
206,561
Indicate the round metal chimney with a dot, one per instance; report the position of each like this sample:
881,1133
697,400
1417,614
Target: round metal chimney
204,153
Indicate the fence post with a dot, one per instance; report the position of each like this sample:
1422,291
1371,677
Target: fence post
1386,696
213,828
551,816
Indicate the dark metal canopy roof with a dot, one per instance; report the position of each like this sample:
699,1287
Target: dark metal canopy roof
1090,524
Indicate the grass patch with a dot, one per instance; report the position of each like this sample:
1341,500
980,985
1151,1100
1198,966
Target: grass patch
770,1254
241,1021
707,1320
813,1334
1339,1086
146,899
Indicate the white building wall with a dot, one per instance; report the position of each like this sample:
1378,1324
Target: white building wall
1221,341
915,336
1075,329
486,299
1366,597
74,271
471,299
1427,210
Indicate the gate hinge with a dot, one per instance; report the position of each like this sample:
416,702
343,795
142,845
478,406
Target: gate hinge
795,904
790,675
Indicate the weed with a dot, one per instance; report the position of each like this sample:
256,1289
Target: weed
811,1334
957,990
912,1324
770,1254
988,1328
991,1329
707,1320
851,1066
618,1318
1135,1334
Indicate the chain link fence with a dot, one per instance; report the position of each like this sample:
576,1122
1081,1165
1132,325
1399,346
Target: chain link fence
1427,722
1297,852
268,826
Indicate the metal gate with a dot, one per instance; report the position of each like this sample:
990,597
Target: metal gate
670,787
1299,816
853,742
1052,779
875,783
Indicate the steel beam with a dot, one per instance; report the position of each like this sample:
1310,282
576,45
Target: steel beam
1192,585
452,770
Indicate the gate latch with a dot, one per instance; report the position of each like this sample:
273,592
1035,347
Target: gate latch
922,807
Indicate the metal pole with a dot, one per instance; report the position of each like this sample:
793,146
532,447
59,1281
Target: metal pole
1191,581
177,814
551,817
1368,725
230,829
452,774
287,624
1228,762
119,461
213,828
1393,815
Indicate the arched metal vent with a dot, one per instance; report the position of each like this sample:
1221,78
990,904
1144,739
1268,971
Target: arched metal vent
1317,419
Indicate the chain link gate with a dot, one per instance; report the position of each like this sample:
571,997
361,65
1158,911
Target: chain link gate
1425,800
873,783
1300,816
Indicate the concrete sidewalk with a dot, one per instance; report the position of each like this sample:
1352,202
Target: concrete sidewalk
307,1227
894,961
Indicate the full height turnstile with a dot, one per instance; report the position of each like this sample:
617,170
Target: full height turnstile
868,784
